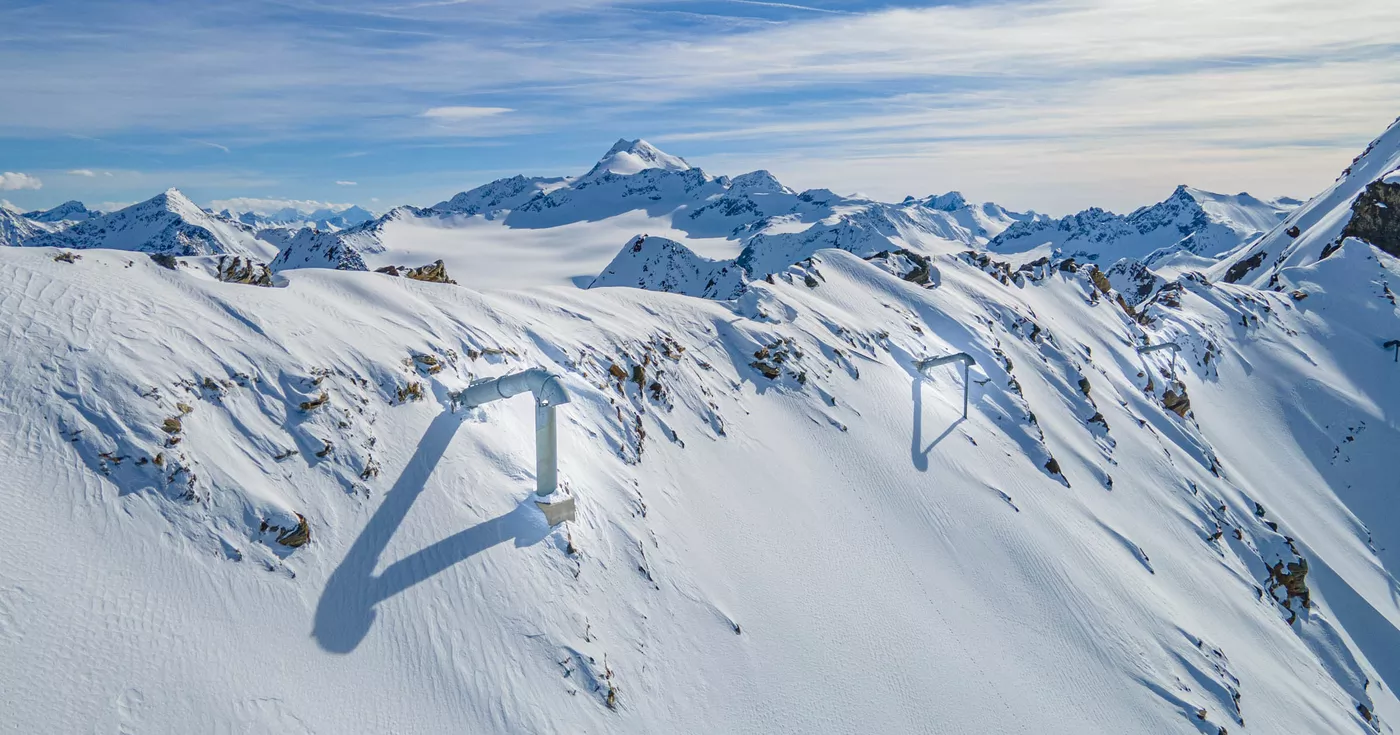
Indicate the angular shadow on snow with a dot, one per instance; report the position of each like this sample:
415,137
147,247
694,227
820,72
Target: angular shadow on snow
346,612
917,452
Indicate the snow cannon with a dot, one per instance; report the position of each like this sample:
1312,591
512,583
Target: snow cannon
962,357
1394,344
548,390
1174,347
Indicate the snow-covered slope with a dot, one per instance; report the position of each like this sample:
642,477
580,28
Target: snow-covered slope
168,223
782,527
1191,223
70,211
571,229
1318,228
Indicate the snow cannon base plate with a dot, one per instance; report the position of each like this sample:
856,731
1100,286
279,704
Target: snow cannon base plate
557,512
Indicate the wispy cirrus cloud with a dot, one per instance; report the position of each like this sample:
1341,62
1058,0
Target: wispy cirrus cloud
463,112
885,99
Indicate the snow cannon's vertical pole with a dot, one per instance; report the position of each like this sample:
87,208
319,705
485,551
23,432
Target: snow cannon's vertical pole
1395,343
966,388
546,450
962,357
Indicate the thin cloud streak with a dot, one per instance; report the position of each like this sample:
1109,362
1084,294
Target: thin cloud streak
1092,76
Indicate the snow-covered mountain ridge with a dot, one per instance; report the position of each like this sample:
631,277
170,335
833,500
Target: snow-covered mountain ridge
1190,222
168,223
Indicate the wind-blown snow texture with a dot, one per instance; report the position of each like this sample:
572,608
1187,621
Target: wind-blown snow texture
229,508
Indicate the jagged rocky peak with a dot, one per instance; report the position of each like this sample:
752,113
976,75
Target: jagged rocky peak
628,157
69,211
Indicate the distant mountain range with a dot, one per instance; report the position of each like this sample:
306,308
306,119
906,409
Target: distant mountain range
1191,222
642,217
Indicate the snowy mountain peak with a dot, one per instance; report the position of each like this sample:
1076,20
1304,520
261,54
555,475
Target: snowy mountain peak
757,182
628,157
68,211
950,202
175,201
167,223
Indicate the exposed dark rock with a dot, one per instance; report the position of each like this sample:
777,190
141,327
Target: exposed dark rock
294,537
1100,281
922,266
237,269
1178,403
769,371
1292,578
1242,268
1293,231
436,272
316,402
165,260
430,364
67,257
1375,217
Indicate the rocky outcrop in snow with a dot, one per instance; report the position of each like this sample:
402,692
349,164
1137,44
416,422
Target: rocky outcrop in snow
1375,217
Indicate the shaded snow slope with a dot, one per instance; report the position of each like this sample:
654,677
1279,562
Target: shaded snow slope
782,528
168,223
1191,222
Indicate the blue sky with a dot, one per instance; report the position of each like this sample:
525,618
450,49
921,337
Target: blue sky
1053,104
